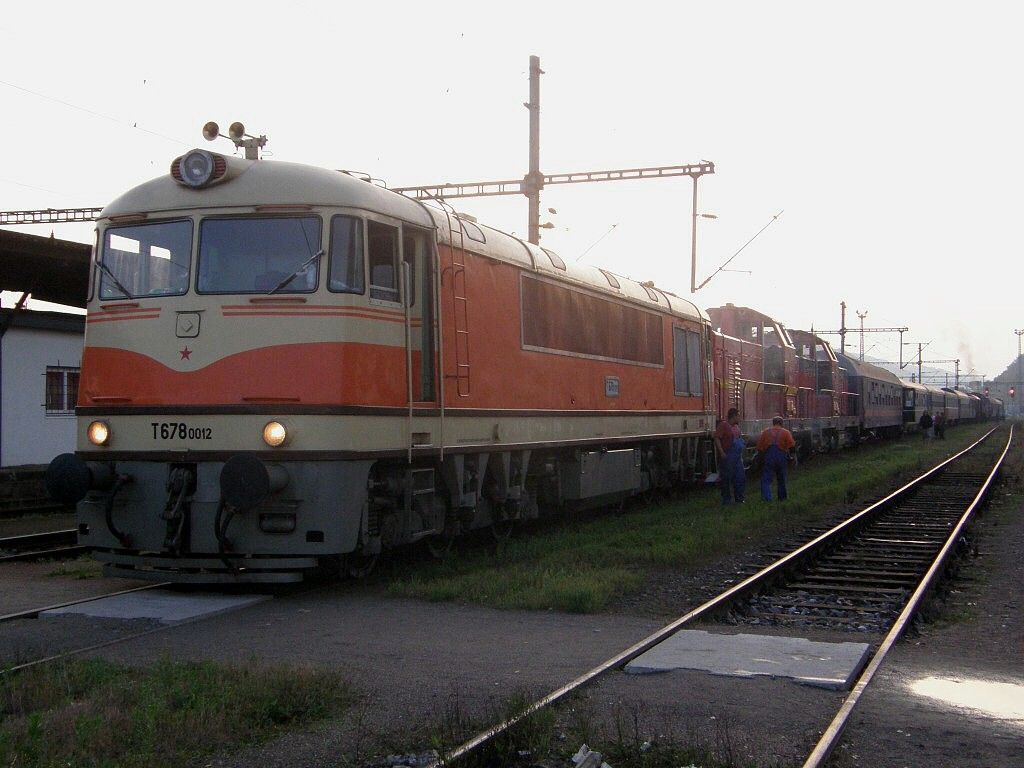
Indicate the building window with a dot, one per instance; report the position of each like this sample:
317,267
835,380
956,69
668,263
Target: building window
61,390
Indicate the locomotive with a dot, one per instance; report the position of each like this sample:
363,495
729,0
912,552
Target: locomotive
290,369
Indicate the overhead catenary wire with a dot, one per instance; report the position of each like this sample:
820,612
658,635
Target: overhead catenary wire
729,260
602,237
94,113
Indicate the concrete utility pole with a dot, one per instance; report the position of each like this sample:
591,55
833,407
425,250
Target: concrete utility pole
534,181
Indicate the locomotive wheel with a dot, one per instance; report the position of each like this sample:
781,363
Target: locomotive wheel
359,566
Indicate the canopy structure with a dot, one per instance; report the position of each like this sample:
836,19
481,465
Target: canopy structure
50,269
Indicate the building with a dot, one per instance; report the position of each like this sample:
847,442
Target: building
40,356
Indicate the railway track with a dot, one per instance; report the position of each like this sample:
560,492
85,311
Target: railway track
871,571
864,582
33,613
40,546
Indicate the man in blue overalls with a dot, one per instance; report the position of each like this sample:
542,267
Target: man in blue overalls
775,443
729,446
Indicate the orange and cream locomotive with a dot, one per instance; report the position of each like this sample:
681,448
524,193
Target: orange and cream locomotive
288,369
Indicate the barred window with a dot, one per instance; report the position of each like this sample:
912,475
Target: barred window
61,390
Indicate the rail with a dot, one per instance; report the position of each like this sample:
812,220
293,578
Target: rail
830,738
37,546
720,602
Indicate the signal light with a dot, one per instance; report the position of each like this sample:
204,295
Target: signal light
1012,391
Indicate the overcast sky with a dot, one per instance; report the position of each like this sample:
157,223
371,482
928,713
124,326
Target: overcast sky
889,133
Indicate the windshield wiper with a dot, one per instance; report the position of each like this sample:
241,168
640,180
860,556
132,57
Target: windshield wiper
297,272
113,277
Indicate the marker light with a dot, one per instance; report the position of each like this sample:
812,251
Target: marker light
274,434
99,433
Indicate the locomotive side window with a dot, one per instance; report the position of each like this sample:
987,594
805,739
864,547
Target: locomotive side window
259,255
145,260
612,281
686,362
566,321
414,251
556,260
383,253
472,231
345,273
418,253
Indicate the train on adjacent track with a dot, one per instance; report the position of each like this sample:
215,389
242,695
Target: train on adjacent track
289,369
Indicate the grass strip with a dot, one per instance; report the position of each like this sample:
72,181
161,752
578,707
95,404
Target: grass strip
90,712
581,564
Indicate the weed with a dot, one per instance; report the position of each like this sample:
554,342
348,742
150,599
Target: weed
91,712
83,567
583,564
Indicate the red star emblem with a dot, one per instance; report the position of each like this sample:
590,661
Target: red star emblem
185,353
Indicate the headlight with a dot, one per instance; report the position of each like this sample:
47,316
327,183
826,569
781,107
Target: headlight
197,168
274,434
99,433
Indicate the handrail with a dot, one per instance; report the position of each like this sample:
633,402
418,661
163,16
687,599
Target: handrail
406,283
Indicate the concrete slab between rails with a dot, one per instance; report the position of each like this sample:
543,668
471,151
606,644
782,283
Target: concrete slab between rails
158,605
825,665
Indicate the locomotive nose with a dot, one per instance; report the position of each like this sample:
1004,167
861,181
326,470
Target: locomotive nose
68,478
245,481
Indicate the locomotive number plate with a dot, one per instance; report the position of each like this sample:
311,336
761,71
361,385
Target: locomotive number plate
179,430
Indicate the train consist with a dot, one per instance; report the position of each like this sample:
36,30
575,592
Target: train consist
289,369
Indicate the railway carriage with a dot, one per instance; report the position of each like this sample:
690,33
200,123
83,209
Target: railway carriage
878,396
288,369
916,400
961,410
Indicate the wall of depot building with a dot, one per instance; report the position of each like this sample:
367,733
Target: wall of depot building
31,433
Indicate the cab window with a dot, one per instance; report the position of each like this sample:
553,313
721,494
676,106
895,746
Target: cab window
259,255
382,242
145,260
345,274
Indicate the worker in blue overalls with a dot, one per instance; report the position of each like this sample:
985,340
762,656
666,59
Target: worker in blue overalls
729,446
775,443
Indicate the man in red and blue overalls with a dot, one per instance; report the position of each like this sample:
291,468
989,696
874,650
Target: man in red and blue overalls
729,446
775,443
